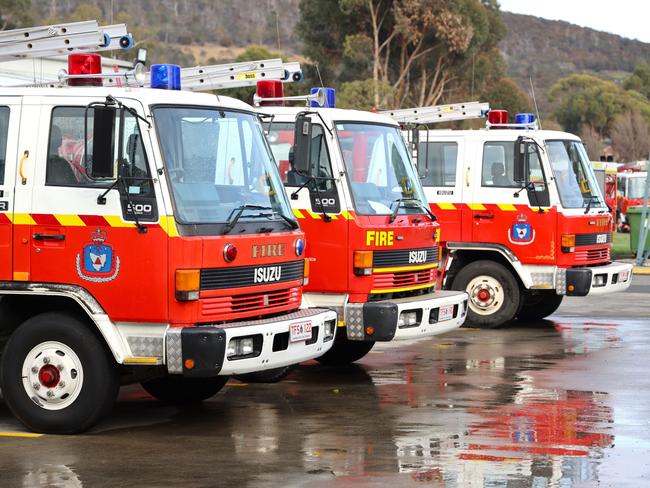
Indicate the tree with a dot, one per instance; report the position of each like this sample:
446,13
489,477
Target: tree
586,99
504,93
14,13
631,136
592,141
418,47
639,81
360,94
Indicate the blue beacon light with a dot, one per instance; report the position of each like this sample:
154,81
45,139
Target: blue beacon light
330,97
166,76
525,119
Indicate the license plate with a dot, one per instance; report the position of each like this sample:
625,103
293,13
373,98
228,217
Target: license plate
445,312
300,331
623,276
601,239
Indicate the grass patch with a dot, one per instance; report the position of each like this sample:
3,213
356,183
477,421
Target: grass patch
621,246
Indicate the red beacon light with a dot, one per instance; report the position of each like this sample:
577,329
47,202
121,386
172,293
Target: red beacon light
497,117
80,66
268,89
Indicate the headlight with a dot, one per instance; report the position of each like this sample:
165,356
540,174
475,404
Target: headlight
408,318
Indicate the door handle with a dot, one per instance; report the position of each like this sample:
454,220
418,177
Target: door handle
23,178
53,237
484,216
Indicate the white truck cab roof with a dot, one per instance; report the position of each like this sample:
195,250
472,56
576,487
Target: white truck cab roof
330,115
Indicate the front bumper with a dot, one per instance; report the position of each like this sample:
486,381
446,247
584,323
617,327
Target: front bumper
383,317
205,347
593,280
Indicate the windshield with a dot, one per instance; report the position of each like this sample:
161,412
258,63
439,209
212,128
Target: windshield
216,161
379,169
635,188
574,176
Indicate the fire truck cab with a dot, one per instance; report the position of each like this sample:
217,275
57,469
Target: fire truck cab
524,215
373,246
630,190
145,237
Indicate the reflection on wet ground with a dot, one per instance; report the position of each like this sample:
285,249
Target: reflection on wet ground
562,403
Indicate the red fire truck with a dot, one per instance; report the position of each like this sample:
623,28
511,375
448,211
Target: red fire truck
522,211
372,239
168,255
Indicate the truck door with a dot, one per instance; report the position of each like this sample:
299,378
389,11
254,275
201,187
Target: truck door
505,212
9,123
74,239
442,174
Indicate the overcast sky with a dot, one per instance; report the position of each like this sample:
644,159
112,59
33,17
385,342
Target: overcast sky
627,18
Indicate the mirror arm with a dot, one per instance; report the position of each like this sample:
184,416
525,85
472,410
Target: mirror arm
111,100
101,199
307,112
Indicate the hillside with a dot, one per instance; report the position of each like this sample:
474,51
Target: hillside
549,50
208,30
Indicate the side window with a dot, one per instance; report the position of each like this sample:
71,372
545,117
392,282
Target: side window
280,139
498,162
437,163
535,171
67,164
4,129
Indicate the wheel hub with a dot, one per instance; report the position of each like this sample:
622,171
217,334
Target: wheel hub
486,295
49,376
52,375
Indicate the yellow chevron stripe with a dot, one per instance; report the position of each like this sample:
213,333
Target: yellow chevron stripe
476,206
446,206
69,220
23,219
312,214
507,207
116,221
168,224
298,214
347,215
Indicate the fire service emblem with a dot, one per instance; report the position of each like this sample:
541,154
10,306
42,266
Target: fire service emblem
97,263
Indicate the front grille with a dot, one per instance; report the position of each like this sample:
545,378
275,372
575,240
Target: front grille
240,276
403,279
251,302
592,255
402,257
592,239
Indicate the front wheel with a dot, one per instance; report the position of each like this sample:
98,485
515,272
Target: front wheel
178,389
494,294
56,376
344,351
539,304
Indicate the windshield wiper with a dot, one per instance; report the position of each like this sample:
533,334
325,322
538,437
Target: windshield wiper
591,199
236,214
417,202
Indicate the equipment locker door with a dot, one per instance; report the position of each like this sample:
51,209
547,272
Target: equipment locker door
442,172
506,213
9,124
75,239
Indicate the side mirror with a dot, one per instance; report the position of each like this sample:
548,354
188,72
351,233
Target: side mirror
519,170
103,142
302,145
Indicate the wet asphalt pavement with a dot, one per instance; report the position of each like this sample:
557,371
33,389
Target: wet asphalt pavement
561,403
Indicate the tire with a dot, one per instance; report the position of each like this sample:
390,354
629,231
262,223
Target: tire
344,351
539,304
177,389
269,376
494,294
79,372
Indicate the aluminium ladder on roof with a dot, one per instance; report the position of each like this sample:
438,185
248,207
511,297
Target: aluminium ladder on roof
439,113
235,75
60,39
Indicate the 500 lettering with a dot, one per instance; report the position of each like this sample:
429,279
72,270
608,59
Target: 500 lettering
268,274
